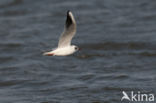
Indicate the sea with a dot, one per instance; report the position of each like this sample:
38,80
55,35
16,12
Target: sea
118,51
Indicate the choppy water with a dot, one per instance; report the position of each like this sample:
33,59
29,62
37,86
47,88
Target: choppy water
118,41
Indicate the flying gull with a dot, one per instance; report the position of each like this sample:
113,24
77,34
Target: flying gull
64,45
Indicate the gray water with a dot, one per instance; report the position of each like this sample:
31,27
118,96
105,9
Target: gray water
118,51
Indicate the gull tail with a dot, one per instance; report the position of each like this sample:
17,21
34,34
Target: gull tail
48,54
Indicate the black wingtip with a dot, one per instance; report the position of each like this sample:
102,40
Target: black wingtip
68,12
69,19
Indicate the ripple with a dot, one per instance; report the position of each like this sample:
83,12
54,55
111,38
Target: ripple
11,83
86,56
121,76
13,13
6,59
13,45
87,76
148,54
13,3
120,46
98,102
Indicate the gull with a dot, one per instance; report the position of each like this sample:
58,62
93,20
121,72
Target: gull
64,45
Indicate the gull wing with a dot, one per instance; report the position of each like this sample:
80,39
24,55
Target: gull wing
69,31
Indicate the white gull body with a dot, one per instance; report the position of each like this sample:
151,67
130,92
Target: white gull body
64,45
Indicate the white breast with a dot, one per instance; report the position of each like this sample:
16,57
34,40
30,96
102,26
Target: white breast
63,51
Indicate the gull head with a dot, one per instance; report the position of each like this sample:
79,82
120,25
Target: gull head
75,48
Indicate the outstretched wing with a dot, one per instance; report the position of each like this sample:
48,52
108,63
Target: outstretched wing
69,31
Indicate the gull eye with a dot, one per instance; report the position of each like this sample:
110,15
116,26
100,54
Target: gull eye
76,48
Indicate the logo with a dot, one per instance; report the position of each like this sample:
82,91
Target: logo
125,96
137,96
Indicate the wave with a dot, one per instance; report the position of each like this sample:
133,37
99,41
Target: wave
120,46
109,49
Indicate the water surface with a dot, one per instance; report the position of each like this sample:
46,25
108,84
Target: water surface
118,42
